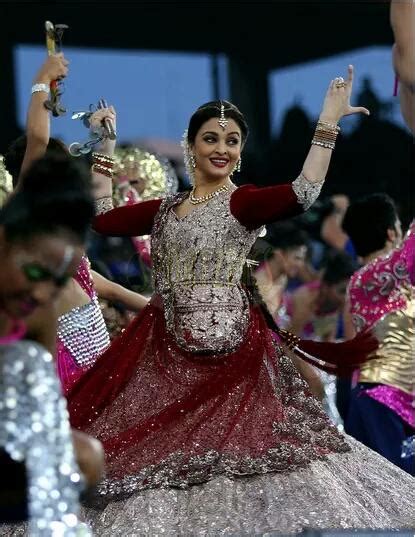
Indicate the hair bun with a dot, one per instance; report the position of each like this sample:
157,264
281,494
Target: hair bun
56,175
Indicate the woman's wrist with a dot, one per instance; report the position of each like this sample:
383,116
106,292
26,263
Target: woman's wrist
328,118
107,147
42,78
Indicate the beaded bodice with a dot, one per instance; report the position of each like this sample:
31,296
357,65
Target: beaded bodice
82,330
198,262
382,297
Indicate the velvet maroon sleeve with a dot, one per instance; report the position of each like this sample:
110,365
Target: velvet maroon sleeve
129,220
255,207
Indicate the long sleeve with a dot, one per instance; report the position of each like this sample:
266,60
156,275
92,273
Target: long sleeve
129,220
254,207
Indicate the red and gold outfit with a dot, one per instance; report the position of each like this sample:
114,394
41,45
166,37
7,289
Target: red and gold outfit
197,391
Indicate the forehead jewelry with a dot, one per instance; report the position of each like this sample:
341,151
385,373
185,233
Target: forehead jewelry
223,122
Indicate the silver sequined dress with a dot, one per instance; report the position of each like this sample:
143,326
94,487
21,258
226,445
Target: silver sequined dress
34,429
207,426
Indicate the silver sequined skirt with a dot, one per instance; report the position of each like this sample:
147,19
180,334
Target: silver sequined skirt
358,489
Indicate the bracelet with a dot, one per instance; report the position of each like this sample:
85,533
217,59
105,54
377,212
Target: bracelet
327,145
325,135
330,126
103,163
40,87
103,170
100,158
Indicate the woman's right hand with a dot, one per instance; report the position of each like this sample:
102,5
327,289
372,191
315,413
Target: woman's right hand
337,101
55,67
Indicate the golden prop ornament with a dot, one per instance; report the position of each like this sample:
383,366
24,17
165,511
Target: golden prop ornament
151,176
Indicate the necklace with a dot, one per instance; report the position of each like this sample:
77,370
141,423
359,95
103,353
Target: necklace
207,197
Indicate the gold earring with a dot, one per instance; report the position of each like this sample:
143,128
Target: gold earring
192,160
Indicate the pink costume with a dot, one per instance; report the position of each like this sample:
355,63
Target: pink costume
382,296
82,334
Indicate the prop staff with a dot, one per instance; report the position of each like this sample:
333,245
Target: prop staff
54,35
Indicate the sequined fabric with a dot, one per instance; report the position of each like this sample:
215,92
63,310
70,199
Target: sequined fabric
393,363
381,286
174,418
102,205
198,262
34,428
400,402
82,334
381,296
358,489
186,431
306,191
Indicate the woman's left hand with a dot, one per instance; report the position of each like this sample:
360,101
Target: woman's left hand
337,101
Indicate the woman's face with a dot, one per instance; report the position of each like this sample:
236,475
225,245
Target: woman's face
216,150
32,273
291,261
332,296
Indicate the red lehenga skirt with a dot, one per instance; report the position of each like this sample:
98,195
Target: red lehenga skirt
168,417
242,428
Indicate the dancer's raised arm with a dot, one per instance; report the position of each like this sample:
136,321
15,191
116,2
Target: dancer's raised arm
254,206
38,120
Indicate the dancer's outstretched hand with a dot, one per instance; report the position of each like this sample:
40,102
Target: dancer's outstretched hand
337,101
99,115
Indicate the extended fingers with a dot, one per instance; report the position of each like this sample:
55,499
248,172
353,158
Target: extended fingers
350,74
103,113
360,110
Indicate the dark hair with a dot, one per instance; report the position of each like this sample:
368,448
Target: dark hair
212,109
55,197
367,221
339,267
286,236
282,236
14,155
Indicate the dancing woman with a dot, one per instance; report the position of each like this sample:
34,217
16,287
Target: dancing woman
196,392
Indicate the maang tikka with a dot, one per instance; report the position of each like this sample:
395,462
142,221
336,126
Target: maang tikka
223,122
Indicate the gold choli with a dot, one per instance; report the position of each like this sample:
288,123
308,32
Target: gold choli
394,361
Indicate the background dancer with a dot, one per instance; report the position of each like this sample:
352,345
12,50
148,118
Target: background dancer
381,296
42,231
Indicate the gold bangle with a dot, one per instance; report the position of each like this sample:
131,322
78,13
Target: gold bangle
330,126
102,158
98,168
